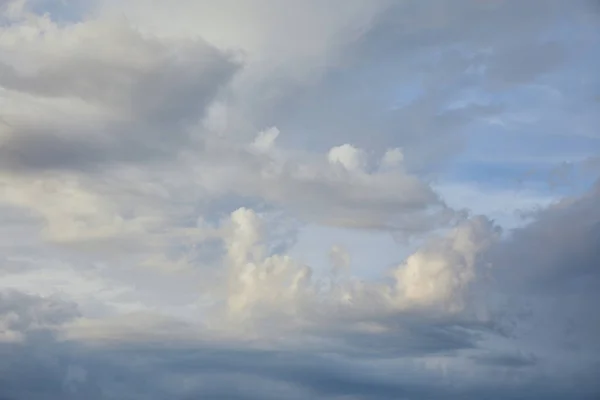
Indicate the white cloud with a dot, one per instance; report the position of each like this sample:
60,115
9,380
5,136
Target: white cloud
392,158
440,275
349,157
255,278
266,139
258,285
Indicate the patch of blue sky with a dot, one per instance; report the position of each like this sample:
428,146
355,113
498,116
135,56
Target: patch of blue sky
506,207
543,126
501,157
370,252
63,11
406,94
557,180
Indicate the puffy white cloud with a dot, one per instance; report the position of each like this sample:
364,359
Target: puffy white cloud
255,279
440,275
348,156
435,280
392,158
266,139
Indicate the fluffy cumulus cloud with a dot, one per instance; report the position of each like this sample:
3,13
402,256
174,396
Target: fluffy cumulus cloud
299,199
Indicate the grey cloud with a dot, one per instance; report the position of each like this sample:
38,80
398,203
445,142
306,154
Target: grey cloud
426,56
473,22
154,88
153,80
560,248
506,360
544,281
52,149
403,203
154,91
522,64
407,340
30,152
186,371
405,42
20,312
343,364
402,43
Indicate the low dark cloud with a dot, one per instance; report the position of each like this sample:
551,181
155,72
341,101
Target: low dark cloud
45,369
20,312
506,360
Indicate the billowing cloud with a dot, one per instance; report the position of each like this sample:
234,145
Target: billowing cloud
302,200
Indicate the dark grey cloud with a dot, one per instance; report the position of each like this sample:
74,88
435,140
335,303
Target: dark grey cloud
55,150
20,312
45,369
402,334
510,360
544,284
558,251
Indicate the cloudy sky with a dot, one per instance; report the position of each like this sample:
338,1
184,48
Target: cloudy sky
299,199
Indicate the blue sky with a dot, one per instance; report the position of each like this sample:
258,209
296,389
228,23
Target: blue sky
262,199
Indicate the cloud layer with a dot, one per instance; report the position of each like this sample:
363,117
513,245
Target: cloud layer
300,200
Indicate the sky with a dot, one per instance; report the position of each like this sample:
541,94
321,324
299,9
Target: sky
285,199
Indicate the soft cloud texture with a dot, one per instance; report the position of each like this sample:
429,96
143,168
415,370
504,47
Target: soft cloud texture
196,199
